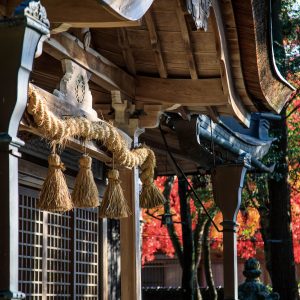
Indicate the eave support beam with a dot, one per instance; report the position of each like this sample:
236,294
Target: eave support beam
20,37
187,92
227,181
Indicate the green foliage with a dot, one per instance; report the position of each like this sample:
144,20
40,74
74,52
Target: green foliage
290,22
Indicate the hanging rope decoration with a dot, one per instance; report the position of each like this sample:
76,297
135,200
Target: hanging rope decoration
150,195
55,196
114,203
85,193
59,130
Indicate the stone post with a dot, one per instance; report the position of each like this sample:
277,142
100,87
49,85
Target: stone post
20,37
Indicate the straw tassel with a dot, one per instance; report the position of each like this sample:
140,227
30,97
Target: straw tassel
114,205
55,196
150,195
85,193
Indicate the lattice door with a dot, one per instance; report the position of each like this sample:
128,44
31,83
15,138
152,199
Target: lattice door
86,253
58,253
58,256
30,245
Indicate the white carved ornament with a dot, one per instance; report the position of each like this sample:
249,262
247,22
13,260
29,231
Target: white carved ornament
74,88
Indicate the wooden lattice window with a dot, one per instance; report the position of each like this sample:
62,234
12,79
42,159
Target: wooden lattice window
86,253
30,245
58,256
58,253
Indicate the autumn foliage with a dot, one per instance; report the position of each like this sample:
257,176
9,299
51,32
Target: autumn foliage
157,240
155,235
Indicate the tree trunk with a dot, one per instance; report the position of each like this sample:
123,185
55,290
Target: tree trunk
213,295
197,294
187,240
170,226
264,214
198,240
281,245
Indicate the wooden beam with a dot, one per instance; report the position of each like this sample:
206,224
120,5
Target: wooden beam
104,73
79,14
155,43
199,92
126,51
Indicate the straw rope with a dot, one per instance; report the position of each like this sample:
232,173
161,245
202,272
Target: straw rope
59,130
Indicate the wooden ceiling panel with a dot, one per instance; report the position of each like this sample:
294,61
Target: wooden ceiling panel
114,57
143,56
107,40
201,92
139,39
166,21
146,69
203,41
164,5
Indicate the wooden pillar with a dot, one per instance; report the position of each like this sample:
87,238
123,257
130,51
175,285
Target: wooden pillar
131,287
130,238
19,38
227,183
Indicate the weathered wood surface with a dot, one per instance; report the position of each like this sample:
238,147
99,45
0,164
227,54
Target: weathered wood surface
104,73
79,14
156,47
252,29
201,92
237,105
126,51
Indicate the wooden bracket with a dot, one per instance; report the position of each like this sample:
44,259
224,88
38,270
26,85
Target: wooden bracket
151,117
120,107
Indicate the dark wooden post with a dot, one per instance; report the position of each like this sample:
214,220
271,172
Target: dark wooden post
227,183
19,38
187,240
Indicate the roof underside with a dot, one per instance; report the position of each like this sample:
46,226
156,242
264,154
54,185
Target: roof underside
165,61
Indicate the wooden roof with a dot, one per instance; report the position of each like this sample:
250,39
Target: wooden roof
161,62
166,61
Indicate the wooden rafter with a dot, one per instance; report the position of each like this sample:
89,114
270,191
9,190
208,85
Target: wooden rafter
155,43
126,50
187,41
189,52
104,73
